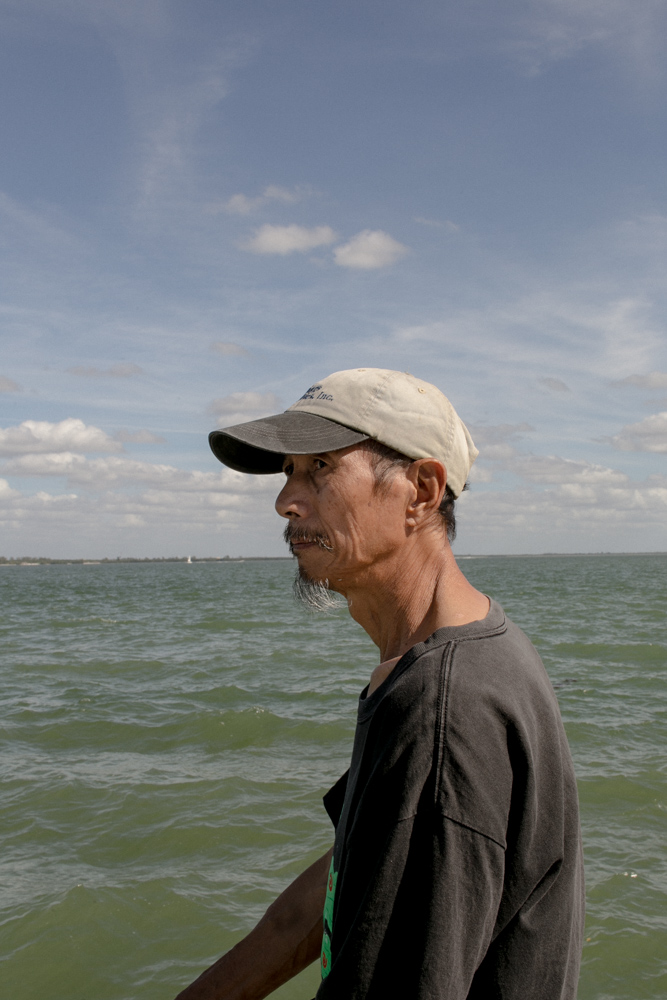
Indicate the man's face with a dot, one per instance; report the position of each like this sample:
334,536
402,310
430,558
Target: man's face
341,526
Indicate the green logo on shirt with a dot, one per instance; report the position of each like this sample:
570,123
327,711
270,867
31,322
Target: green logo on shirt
332,878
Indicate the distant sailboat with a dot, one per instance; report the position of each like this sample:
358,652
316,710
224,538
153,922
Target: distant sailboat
189,559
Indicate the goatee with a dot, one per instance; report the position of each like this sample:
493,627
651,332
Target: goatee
315,594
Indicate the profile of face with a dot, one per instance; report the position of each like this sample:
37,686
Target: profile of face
341,526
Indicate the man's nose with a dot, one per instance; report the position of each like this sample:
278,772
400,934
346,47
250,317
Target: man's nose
291,502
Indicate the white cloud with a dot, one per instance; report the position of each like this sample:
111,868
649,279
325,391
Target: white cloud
495,443
283,240
551,469
6,491
115,495
141,436
97,474
649,435
229,350
39,436
121,370
555,384
241,406
47,464
8,385
370,250
582,506
567,517
241,204
99,523
588,517
654,380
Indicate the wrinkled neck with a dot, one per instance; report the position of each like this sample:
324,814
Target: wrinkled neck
407,599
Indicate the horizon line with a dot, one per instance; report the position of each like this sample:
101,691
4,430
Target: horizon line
106,560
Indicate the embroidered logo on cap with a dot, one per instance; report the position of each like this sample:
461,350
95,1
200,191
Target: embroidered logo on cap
310,393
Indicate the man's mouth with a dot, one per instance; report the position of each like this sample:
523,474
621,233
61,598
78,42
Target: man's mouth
299,539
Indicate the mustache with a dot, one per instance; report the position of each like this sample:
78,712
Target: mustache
293,533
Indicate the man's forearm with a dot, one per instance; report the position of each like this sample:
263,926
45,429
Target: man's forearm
285,941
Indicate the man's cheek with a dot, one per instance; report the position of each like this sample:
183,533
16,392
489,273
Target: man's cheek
349,547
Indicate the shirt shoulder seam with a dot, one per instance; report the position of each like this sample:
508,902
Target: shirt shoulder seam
440,743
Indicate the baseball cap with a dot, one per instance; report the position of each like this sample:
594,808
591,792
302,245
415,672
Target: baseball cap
403,412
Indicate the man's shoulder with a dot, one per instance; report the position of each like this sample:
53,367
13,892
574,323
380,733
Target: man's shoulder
464,685
493,646
502,730
503,666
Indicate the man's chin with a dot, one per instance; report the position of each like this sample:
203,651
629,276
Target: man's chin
310,576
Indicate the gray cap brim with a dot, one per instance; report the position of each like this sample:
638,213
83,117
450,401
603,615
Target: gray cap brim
259,447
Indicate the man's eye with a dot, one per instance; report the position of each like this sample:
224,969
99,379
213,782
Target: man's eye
320,464
288,469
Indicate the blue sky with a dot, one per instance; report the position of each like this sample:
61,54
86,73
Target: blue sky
206,206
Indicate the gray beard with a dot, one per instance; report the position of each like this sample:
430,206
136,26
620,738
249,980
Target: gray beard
315,595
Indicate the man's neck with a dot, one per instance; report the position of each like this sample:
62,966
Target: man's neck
407,599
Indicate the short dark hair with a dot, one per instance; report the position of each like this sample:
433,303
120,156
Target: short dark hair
385,460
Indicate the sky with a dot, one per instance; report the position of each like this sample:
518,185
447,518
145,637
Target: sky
207,206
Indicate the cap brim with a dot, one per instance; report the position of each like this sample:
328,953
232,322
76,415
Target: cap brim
260,446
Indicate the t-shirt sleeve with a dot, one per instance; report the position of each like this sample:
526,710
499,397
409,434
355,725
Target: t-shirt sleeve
334,798
423,914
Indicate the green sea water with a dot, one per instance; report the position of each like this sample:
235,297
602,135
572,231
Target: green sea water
167,732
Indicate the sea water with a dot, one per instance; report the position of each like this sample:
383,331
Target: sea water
168,730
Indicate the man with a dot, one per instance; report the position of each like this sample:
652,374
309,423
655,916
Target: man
456,870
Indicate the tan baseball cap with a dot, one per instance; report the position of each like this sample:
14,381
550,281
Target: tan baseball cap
401,411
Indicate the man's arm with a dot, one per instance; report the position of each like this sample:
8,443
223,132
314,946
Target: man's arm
285,941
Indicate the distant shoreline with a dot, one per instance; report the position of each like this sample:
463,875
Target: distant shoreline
45,561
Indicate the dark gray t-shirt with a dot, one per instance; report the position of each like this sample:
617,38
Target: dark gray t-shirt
457,869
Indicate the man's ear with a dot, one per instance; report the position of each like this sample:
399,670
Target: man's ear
428,477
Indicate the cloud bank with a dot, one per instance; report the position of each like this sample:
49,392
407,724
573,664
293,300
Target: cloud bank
40,436
649,435
283,240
